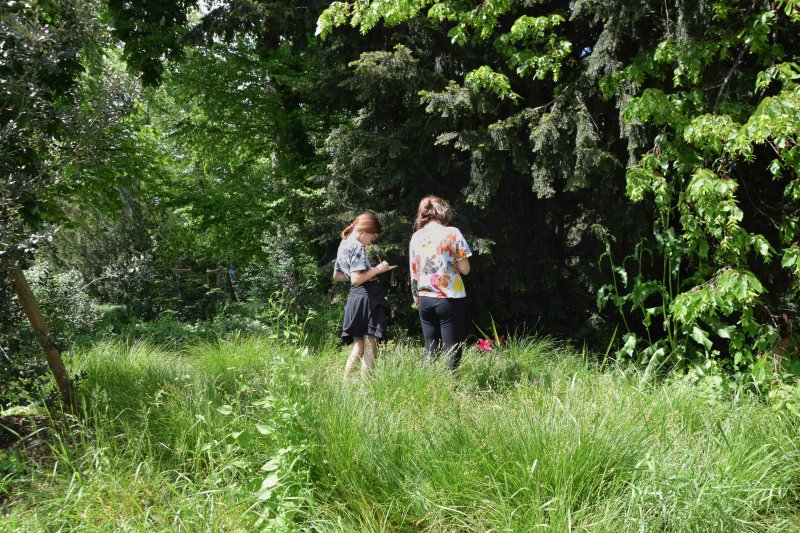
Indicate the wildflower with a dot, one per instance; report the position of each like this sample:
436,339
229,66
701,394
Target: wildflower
484,345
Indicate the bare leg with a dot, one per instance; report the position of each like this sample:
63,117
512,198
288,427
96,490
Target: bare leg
370,354
355,355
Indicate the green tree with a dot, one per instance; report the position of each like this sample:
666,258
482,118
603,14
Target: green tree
518,128
66,144
721,170
655,137
683,79
41,50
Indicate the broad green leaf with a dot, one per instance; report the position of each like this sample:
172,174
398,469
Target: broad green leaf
701,337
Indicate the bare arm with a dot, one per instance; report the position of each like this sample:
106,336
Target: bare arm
463,266
339,276
362,276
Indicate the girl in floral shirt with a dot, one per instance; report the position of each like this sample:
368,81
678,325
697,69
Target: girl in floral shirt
438,258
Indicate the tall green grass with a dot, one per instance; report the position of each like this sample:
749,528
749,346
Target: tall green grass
258,434
535,438
175,441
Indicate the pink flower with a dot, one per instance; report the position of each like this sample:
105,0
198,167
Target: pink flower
484,345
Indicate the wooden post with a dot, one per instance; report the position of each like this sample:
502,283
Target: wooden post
28,302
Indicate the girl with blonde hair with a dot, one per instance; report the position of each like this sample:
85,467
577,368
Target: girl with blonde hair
366,311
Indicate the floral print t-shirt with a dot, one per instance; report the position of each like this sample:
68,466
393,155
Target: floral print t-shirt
433,252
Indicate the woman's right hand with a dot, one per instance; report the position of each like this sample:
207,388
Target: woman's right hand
382,267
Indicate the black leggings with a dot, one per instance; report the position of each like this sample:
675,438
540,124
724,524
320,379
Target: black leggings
443,322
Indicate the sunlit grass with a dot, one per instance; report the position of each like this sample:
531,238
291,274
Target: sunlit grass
252,433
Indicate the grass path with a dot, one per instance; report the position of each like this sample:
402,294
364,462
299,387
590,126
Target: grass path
250,435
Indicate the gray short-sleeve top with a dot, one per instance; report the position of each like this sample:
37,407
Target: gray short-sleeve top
351,257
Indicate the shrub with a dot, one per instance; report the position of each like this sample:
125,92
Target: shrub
71,315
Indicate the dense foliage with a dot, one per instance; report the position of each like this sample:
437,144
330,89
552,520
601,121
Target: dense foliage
625,171
44,49
174,176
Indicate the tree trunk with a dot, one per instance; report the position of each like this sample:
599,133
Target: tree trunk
31,308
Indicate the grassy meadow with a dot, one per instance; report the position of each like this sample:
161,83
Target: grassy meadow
255,434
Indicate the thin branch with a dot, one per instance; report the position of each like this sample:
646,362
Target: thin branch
728,77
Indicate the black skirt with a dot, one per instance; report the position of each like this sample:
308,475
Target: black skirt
366,312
